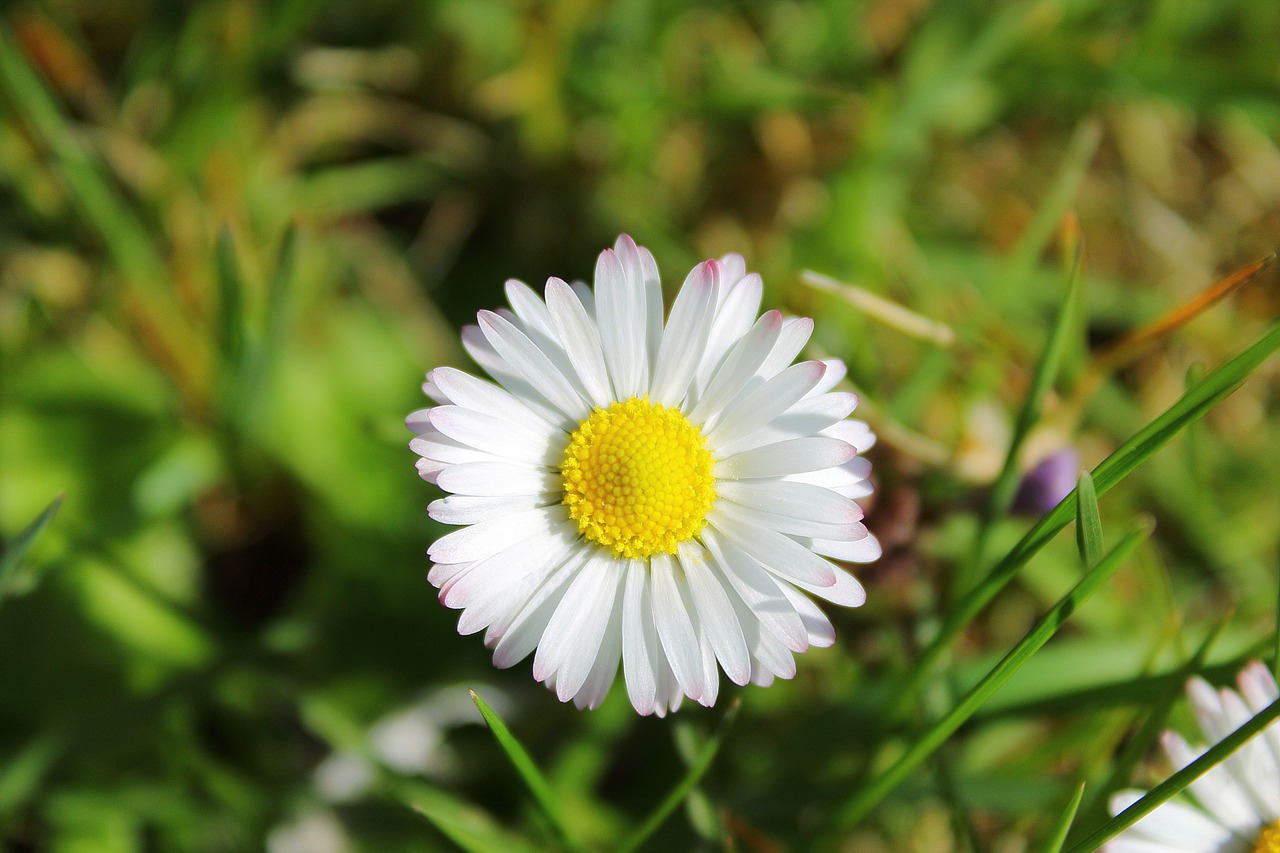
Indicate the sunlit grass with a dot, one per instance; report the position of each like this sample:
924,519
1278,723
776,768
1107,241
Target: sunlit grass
235,236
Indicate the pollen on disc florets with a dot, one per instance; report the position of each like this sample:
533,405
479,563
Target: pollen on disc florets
1268,839
637,478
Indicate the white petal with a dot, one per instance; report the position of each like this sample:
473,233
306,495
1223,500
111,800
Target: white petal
483,353
710,672
757,591
738,367
799,500
505,568
846,591
675,628
581,340
795,334
419,421
493,606
529,362
639,264
762,405
1127,844
1215,789
605,669
498,479
780,554
715,614
487,538
848,479
735,269
811,416
639,640
733,317
441,448
836,370
796,456
821,632
685,336
1252,765
471,392
864,550
531,310
429,469
520,637
620,312
572,639
470,509
499,437
1174,823
1258,688
793,525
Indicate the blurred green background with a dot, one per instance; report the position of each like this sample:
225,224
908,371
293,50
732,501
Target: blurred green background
233,236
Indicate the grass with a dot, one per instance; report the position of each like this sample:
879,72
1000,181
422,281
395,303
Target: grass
235,236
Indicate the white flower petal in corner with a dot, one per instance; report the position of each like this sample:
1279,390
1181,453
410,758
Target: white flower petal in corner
1235,807
660,497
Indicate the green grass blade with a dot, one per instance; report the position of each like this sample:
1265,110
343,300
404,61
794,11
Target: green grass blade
1053,844
1006,486
17,550
523,762
1088,522
124,235
1275,645
1122,462
1178,781
278,291
230,300
1137,745
866,799
1080,150
696,771
463,823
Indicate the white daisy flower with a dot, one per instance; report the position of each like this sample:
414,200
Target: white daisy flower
1235,807
666,496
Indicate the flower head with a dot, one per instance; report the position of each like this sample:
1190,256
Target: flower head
664,495
1235,807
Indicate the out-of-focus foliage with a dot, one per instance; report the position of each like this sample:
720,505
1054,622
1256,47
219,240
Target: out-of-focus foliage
234,235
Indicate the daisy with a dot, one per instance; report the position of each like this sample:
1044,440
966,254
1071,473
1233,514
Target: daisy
664,495
1236,807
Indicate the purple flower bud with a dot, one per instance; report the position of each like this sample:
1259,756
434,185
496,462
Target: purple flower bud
1048,482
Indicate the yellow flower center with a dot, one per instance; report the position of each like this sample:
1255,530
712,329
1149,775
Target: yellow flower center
637,478
1269,839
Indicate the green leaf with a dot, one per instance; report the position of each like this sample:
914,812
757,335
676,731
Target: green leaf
230,300
463,823
17,550
698,769
1005,488
1112,470
868,797
1088,522
529,772
1176,783
22,773
1053,844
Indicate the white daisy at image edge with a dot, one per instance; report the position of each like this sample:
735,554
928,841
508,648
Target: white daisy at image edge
1235,807
668,496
